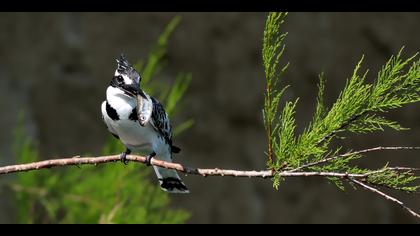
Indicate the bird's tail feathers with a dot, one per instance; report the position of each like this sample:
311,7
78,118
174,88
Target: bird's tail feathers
175,149
170,181
173,185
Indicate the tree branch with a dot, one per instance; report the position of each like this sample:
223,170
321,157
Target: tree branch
77,160
168,165
386,196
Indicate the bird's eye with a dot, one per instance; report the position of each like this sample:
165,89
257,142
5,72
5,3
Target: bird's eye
120,79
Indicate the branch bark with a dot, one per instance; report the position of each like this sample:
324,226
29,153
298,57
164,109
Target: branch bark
77,160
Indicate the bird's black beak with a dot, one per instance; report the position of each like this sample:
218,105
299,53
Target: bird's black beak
133,89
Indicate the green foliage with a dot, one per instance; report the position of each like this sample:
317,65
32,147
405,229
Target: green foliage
285,132
358,109
179,87
394,179
24,148
272,51
109,193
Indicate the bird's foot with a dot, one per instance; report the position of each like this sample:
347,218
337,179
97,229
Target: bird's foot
149,158
123,156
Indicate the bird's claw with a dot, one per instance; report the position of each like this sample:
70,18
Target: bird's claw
149,159
123,157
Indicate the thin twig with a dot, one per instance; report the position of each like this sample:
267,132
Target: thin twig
325,160
386,196
168,165
383,148
401,169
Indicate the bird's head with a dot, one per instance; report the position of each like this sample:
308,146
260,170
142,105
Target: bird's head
126,77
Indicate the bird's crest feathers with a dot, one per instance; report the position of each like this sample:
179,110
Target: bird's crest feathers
124,67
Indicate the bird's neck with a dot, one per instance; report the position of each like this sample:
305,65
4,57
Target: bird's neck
120,101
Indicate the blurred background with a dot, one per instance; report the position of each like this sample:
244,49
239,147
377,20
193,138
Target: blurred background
56,67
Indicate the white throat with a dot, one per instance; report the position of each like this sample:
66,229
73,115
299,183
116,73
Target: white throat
120,101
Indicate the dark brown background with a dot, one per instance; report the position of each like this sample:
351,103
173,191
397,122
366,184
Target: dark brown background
57,66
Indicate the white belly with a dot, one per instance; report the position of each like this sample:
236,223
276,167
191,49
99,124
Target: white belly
134,136
139,139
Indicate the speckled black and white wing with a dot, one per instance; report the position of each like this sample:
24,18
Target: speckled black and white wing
160,122
169,179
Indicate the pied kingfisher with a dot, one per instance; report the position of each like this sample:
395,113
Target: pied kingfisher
140,122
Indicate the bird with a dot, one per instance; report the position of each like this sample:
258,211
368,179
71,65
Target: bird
141,123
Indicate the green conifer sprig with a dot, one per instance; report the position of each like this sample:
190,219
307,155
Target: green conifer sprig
272,51
359,109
